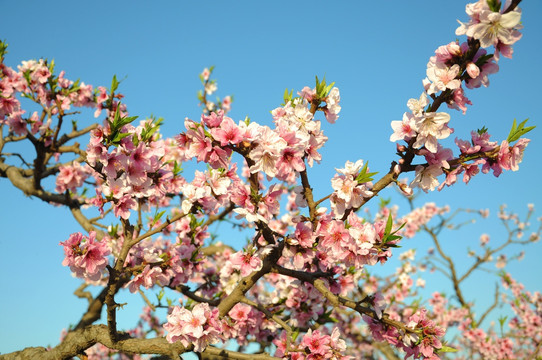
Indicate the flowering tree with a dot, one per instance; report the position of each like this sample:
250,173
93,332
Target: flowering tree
302,287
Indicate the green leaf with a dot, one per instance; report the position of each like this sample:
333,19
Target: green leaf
445,348
126,120
150,128
328,89
3,48
494,5
157,216
52,66
390,236
384,202
482,60
113,230
119,136
518,131
321,87
365,176
288,96
114,84
117,124
482,131
389,224
295,334
160,295
177,168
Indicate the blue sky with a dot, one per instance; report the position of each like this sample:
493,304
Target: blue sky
375,52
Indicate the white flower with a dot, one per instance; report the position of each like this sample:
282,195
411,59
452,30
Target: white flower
351,168
426,177
430,127
417,106
494,27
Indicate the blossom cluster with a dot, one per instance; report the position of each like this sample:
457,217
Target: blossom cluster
131,169
71,177
35,80
452,66
315,345
349,188
199,326
492,27
526,325
86,256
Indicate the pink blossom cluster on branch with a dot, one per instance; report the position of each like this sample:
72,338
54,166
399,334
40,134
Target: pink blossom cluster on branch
452,65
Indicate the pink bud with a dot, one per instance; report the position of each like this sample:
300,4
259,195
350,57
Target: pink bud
454,48
473,70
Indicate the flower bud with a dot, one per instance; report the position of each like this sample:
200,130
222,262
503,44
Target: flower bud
454,48
473,70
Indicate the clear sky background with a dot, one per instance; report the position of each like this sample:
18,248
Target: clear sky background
376,52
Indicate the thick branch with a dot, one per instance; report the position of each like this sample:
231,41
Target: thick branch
78,341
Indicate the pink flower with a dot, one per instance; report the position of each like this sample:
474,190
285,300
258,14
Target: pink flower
417,106
336,239
123,206
227,133
246,262
148,278
199,327
41,74
307,93
494,28
442,77
8,105
240,313
426,177
440,157
85,256
431,127
316,342
267,153
304,235
226,103
404,129
16,123
459,100
205,74
332,108
70,177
